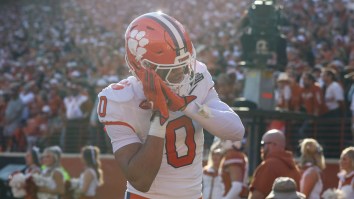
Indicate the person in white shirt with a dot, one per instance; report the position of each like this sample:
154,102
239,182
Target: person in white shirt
156,117
331,120
334,94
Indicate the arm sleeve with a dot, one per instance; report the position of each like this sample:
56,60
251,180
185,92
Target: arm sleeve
223,121
121,136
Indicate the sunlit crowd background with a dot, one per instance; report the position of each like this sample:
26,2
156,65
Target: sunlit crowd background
56,55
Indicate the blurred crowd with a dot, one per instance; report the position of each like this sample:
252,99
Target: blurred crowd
56,55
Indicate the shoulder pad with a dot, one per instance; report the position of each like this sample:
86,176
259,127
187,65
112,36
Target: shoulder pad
202,69
119,92
203,78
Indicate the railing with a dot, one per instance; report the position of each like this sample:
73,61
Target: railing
332,133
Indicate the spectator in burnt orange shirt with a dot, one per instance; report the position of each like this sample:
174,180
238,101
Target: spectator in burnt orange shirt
311,95
277,162
311,100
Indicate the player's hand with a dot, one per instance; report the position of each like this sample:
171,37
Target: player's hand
153,93
174,101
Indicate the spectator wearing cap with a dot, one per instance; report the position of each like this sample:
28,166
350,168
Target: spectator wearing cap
283,92
277,162
312,163
285,188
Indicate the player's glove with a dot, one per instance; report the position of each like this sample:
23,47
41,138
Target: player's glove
153,93
176,102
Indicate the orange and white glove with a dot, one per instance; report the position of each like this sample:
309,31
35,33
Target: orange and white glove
174,101
153,92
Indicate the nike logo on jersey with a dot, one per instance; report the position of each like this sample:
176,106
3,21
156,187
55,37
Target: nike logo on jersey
198,77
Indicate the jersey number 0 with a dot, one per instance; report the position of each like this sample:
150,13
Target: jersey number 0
173,158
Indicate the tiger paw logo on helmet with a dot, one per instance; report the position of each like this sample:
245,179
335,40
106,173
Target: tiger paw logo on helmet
136,44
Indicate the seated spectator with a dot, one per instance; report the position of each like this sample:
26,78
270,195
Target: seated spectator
285,188
346,175
312,163
213,188
277,162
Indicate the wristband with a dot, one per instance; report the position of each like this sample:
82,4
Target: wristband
156,129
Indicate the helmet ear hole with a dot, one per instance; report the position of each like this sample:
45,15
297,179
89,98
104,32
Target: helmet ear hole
149,28
186,70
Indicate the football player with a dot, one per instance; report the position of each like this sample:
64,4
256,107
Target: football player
155,117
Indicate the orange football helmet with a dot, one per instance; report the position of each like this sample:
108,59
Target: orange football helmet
160,42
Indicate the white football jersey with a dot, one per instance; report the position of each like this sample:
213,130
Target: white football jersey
180,174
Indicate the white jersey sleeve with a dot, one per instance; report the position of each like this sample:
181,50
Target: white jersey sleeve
117,110
120,136
214,115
